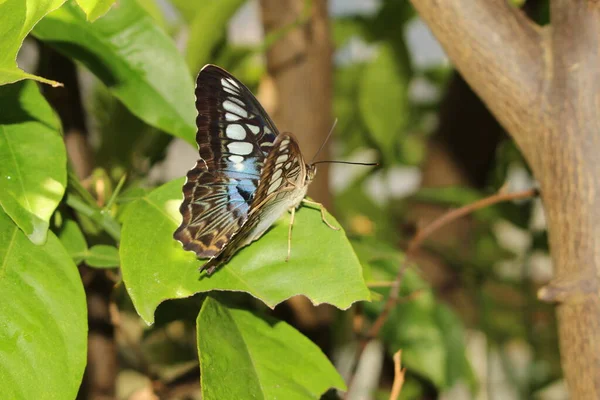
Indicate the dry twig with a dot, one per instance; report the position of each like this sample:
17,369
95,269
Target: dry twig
398,376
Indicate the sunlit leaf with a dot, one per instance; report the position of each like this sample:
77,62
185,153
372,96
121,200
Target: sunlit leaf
272,359
322,267
43,319
133,57
17,18
94,9
33,160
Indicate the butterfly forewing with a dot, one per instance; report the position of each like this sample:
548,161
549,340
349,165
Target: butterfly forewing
282,185
234,137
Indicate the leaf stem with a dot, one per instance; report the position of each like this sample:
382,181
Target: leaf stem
101,217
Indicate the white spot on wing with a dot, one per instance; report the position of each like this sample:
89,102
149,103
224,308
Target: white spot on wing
240,148
229,90
281,159
236,159
234,83
237,101
255,129
234,108
231,117
274,186
235,131
276,175
228,84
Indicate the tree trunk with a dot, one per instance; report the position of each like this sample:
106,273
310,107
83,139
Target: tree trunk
542,84
300,65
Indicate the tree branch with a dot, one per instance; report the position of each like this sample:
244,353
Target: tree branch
416,242
300,66
498,50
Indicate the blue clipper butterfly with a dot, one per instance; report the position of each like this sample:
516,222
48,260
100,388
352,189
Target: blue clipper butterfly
248,174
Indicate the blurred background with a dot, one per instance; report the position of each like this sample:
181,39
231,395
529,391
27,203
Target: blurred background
469,323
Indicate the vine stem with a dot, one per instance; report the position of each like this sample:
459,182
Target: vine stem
417,241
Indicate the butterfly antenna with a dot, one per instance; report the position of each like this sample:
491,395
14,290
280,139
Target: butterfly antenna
344,162
324,141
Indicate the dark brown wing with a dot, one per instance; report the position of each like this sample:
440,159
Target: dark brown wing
234,137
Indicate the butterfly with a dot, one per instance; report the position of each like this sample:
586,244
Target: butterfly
248,174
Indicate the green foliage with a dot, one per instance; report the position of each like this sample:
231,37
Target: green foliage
155,267
33,177
383,100
43,333
94,9
140,98
430,335
17,18
155,85
208,24
272,359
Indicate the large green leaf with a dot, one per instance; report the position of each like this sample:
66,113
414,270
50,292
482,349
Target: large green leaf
33,160
17,18
133,57
243,356
43,319
383,99
322,267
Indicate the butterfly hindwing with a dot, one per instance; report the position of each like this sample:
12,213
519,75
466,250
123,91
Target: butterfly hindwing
282,185
234,137
212,211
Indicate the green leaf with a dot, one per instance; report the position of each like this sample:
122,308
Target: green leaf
33,171
272,359
430,335
207,27
458,366
155,267
102,256
133,57
383,100
43,318
94,9
73,240
17,18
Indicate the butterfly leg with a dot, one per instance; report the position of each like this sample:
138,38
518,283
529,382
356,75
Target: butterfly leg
293,211
314,203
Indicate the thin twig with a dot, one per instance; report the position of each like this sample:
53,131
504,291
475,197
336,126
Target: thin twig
414,245
427,231
398,376
452,215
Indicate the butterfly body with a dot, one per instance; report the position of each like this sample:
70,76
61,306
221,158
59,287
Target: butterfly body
248,174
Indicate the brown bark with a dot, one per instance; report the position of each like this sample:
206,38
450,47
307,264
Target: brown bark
542,84
299,63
